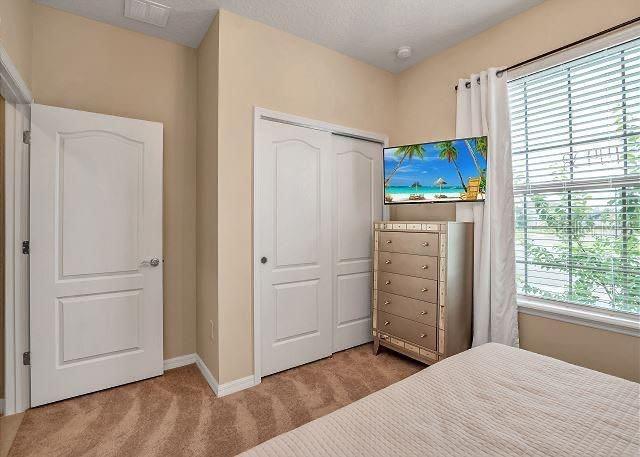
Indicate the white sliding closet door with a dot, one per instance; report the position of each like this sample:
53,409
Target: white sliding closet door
317,195
294,212
357,203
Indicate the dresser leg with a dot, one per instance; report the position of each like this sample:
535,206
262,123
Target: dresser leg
376,345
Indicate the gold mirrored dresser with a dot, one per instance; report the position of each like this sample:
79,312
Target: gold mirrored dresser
423,288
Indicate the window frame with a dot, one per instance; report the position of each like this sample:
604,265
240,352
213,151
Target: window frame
602,318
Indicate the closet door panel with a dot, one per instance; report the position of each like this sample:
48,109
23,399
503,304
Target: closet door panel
294,211
357,203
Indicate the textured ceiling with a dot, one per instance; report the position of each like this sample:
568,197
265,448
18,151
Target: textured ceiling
368,30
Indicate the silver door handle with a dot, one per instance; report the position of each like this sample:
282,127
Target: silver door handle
153,262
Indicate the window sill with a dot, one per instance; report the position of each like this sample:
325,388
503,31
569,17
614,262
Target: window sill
602,319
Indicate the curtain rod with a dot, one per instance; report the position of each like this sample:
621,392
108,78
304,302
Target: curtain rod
561,48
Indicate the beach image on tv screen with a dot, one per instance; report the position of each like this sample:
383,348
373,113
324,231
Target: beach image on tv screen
444,171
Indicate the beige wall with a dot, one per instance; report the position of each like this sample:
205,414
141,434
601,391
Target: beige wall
426,105
612,353
86,65
2,251
265,67
207,200
16,34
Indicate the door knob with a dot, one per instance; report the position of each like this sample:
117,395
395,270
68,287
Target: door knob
424,267
387,262
263,260
388,241
387,282
153,262
424,289
425,244
387,302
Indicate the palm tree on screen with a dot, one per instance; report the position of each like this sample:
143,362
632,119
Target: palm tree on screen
449,152
477,145
470,143
405,153
481,146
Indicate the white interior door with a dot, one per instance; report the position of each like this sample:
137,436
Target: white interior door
96,252
357,203
294,223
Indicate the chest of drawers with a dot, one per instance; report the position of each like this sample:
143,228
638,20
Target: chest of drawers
423,288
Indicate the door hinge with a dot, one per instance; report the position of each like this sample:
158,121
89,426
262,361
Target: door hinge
26,358
26,247
26,137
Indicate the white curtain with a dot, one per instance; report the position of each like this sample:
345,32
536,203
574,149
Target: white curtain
483,109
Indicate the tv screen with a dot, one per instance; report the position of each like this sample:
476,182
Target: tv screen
443,171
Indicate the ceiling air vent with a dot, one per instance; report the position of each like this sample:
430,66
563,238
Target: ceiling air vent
147,11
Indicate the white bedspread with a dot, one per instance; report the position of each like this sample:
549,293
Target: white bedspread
491,400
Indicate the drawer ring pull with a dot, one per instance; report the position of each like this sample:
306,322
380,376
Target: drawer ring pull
425,244
387,282
387,322
424,267
387,261
424,289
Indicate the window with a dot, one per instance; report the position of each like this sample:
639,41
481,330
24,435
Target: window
576,176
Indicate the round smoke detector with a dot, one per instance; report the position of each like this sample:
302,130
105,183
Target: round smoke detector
404,52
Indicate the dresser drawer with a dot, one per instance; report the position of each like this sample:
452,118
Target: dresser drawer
409,243
408,264
416,310
408,286
420,334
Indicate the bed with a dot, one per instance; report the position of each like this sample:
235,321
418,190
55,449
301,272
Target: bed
491,400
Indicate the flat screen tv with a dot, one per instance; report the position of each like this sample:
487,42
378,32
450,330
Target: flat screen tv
439,172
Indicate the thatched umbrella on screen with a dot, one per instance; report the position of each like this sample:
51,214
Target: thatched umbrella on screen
440,182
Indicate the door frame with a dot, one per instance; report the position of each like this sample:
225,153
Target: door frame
260,114
16,316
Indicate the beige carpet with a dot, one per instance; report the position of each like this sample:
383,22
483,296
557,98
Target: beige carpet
8,428
177,414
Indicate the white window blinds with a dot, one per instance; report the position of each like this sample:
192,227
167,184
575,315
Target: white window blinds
576,176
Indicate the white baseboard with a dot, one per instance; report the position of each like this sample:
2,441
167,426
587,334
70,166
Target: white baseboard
213,382
179,361
235,386
227,388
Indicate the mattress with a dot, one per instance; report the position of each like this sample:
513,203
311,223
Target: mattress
491,400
